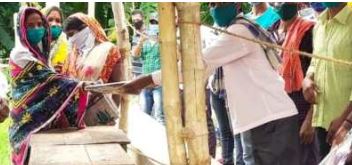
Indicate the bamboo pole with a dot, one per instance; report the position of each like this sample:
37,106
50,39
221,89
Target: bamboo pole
52,3
170,81
194,87
91,9
124,46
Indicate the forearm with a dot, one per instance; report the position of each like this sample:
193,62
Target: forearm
347,116
309,115
136,51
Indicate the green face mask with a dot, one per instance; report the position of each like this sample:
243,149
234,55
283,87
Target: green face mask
287,11
223,15
35,35
55,32
331,4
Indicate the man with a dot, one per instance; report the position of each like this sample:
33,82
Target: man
263,14
328,84
257,101
138,23
147,49
297,34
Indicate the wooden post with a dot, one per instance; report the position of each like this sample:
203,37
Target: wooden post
170,81
124,46
52,3
194,87
91,9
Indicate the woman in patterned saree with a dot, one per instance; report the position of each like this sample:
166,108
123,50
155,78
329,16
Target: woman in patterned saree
39,98
93,58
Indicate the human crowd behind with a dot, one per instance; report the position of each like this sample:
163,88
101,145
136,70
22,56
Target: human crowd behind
271,107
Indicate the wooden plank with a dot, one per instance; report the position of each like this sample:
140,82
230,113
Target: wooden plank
89,135
91,154
58,155
111,154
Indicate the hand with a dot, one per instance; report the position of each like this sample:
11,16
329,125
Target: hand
130,88
307,132
4,110
310,90
86,83
136,85
58,68
334,126
143,38
339,136
349,159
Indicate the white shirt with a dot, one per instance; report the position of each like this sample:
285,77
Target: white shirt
255,92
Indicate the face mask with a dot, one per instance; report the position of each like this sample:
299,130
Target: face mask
153,30
331,4
287,11
84,40
138,24
55,32
317,6
223,15
35,35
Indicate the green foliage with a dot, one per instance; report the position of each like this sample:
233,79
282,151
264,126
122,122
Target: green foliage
69,8
205,16
7,9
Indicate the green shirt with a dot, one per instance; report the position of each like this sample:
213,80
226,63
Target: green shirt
150,55
332,38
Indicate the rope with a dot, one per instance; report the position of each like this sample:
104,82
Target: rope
268,44
271,45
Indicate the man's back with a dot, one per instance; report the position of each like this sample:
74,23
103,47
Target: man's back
255,92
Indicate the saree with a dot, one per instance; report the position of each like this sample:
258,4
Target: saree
39,97
97,64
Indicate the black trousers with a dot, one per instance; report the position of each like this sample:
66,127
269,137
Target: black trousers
276,142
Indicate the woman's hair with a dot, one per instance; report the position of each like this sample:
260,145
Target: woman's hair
73,23
54,8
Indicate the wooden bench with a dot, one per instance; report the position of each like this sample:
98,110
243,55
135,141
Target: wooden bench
99,145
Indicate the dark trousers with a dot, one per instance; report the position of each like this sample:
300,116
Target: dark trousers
276,142
324,147
226,137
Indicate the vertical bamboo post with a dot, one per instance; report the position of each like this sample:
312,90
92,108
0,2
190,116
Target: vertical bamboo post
52,3
194,87
170,81
91,9
124,46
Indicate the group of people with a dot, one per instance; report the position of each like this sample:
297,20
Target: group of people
291,113
271,107
55,59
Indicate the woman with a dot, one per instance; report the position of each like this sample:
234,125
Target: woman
58,52
93,58
297,33
40,98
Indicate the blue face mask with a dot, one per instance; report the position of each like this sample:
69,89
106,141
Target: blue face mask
55,32
35,35
318,6
331,4
223,15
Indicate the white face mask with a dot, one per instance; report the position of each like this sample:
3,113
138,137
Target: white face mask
84,41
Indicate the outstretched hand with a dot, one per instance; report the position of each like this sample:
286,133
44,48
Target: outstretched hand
135,86
4,110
